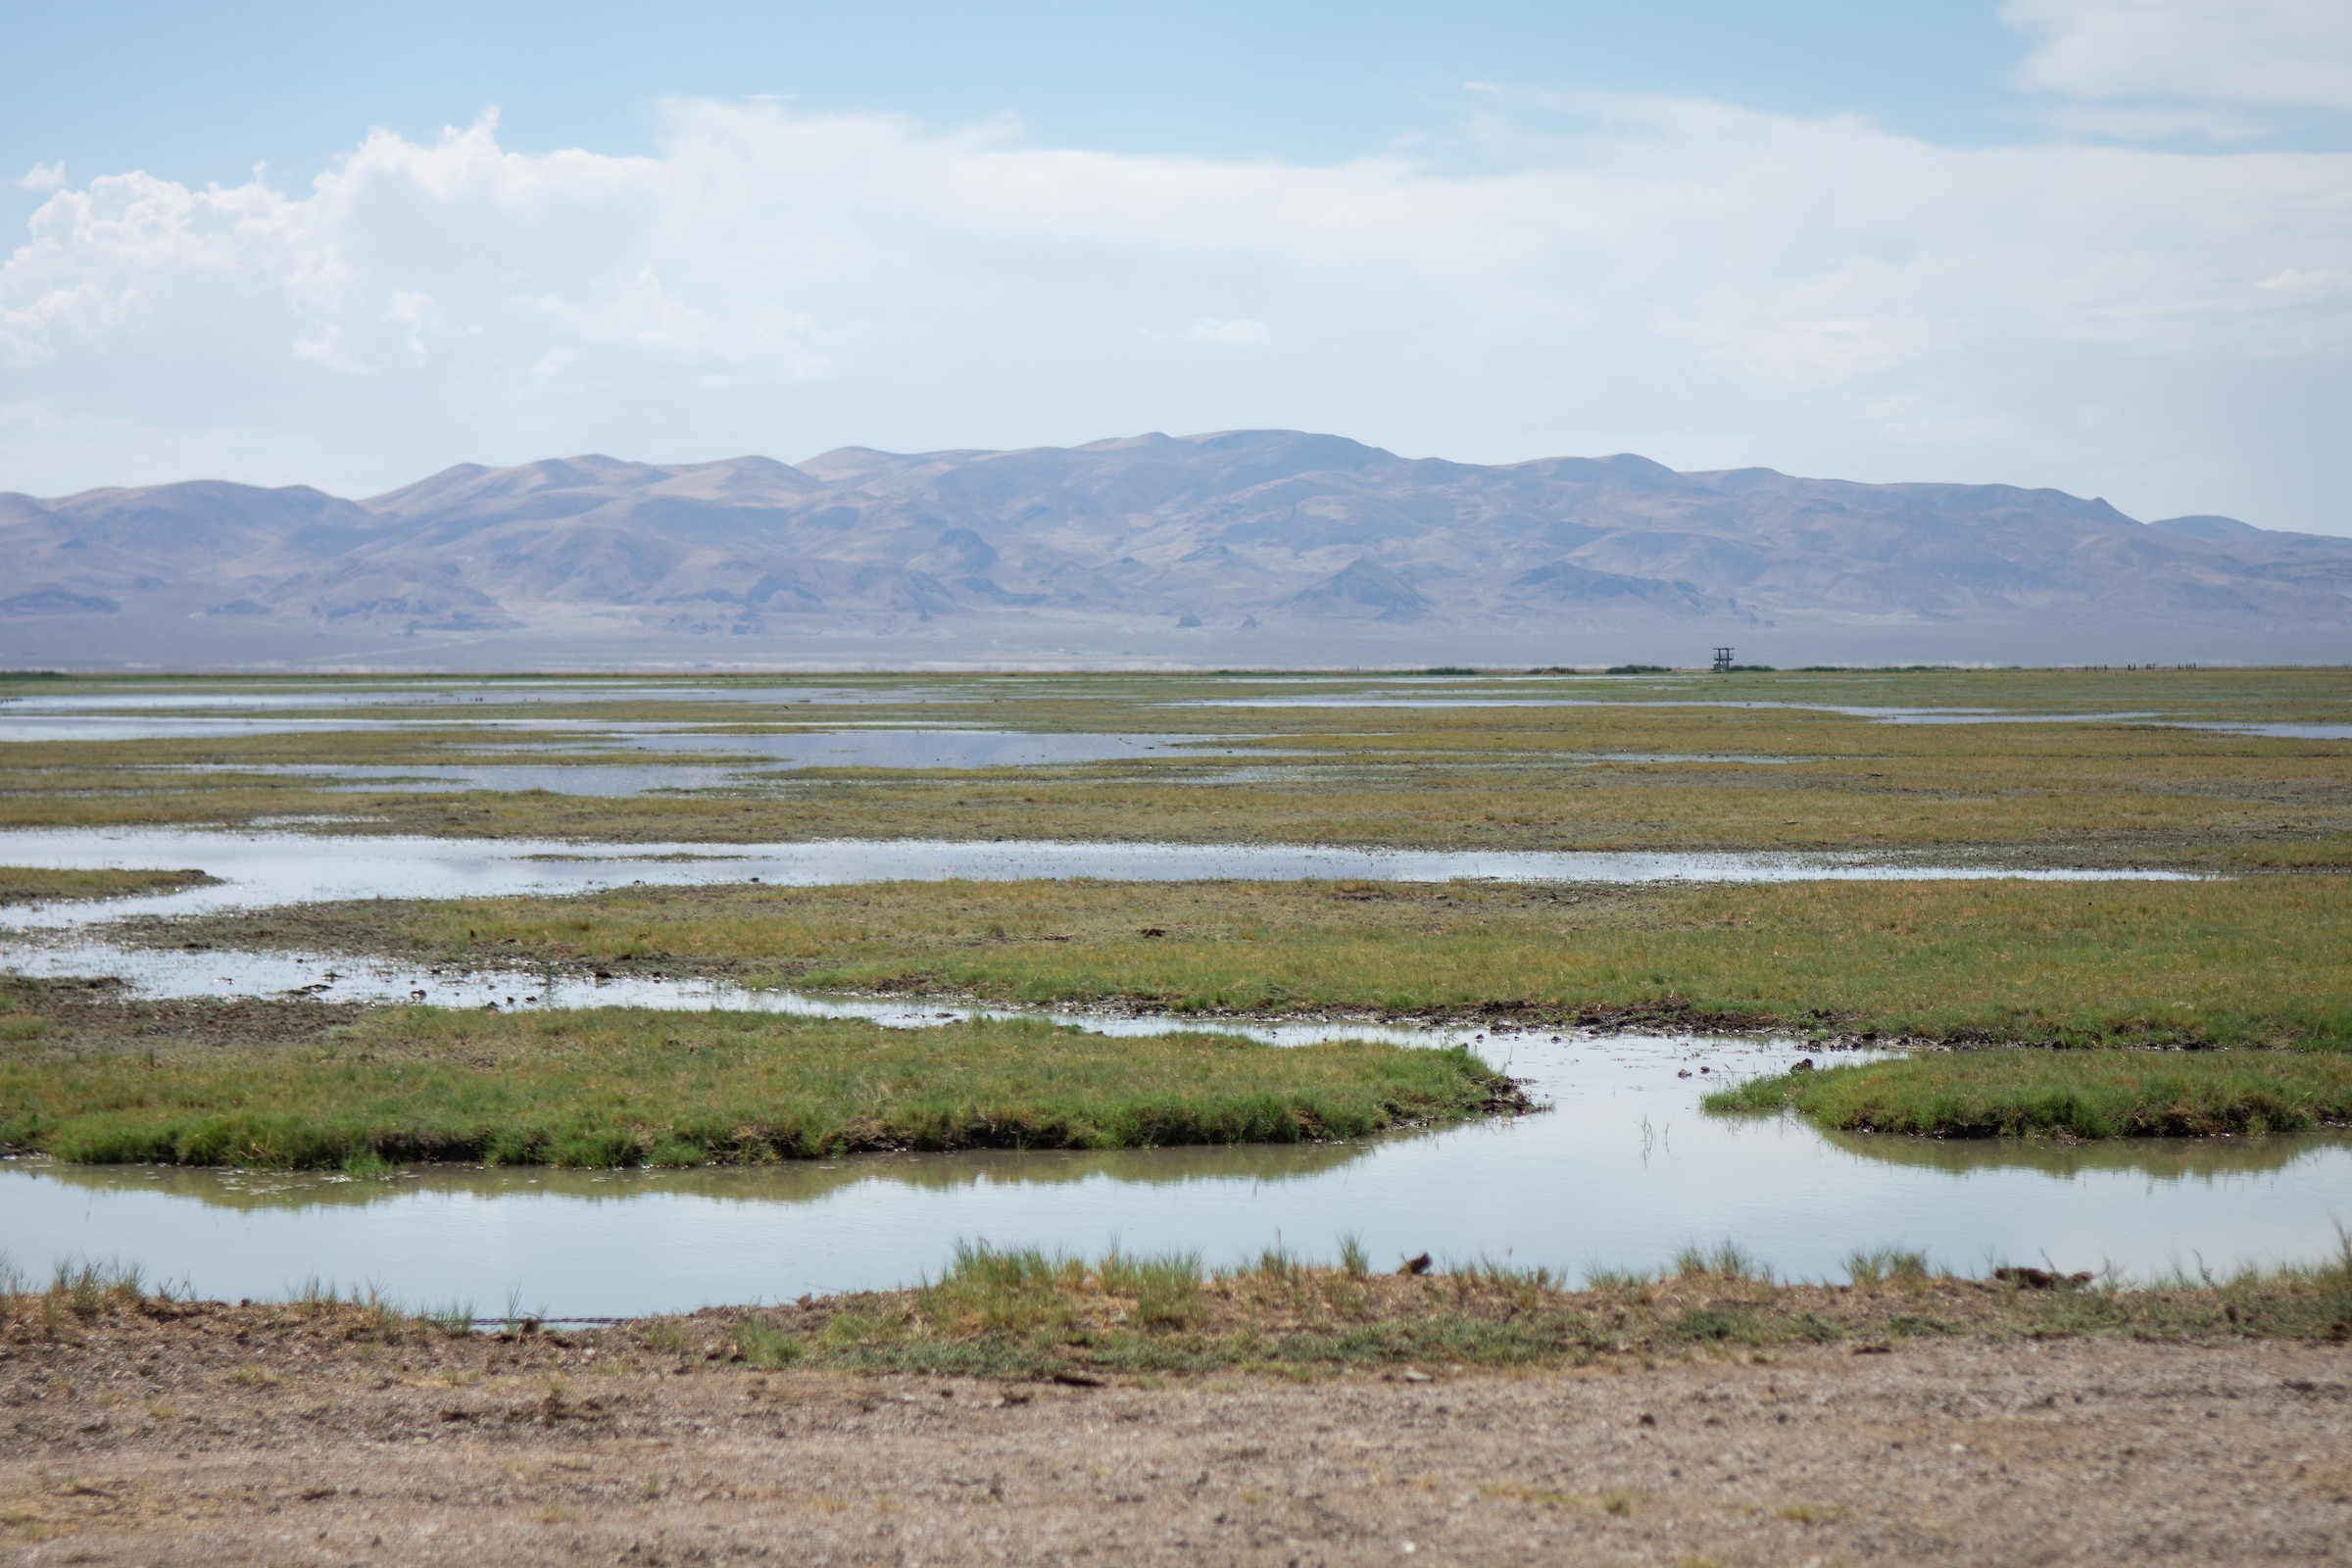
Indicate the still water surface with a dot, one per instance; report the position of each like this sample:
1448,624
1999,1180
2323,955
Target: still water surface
1624,1169
261,870
769,758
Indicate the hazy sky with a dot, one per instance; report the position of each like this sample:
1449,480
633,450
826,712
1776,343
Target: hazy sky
2103,245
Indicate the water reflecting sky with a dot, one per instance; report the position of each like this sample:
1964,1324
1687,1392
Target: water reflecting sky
1624,1169
261,870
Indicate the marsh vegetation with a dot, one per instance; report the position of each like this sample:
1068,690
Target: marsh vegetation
355,1089
2079,1095
1999,770
2090,773
1025,1315
2253,961
27,884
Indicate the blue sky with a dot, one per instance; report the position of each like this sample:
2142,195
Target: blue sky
2104,245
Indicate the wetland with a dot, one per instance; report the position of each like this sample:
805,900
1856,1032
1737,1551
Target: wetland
839,923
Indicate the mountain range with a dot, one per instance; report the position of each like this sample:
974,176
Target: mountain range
1252,548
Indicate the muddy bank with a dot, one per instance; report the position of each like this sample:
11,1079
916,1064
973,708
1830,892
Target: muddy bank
265,1435
97,1015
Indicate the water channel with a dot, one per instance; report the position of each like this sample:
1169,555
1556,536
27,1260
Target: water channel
1623,1171
1620,1172
264,869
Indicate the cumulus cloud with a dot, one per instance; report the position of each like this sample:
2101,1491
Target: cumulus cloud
2298,285
43,177
1680,275
1240,332
762,247
2252,51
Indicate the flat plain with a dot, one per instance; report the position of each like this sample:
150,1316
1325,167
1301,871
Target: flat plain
1703,1420
1699,1414
2235,780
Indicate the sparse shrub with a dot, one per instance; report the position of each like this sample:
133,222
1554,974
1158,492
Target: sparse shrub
1166,1289
1871,1268
857,1328
1011,1290
449,1317
1715,1324
1727,1260
1526,1285
763,1344
1600,1277
1275,1264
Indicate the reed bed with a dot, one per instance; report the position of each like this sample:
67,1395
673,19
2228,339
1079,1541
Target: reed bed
2249,962
2078,1094
616,1086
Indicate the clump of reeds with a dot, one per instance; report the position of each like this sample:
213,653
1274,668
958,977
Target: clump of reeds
1727,1260
408,1084
1873,1266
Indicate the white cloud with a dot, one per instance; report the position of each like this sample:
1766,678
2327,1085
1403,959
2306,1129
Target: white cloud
1240,332
2158,124
1715,284
43,177
765,248
50,451
2251,51
2295,283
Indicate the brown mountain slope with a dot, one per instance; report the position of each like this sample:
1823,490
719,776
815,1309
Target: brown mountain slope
1317,548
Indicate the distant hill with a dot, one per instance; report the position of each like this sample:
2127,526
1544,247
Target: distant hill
2204,526
1250,547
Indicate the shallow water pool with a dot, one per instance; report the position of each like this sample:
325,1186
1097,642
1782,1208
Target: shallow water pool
261,870
1623,1171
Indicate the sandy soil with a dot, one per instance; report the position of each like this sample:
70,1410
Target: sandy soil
208,1436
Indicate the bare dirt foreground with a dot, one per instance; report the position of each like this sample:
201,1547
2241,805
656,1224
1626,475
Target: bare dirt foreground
222,1434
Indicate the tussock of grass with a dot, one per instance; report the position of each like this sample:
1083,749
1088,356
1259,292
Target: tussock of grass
1869,1267
80,1291
624,1086
1727,1260
2075,1094
76,1291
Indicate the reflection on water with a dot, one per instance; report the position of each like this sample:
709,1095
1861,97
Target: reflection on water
2168,1159
160,974
1390,698
784,753
919,748
1624,1169
790,1182
1883,716
246,698
581,778
259,871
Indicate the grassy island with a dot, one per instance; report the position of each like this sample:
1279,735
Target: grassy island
303,1085
32,884
2254,961
2071,1093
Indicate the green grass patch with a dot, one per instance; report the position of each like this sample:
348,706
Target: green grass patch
619,1086
2253,961
1027,1314
30,884
1022,1315
1609,772
2074,1093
